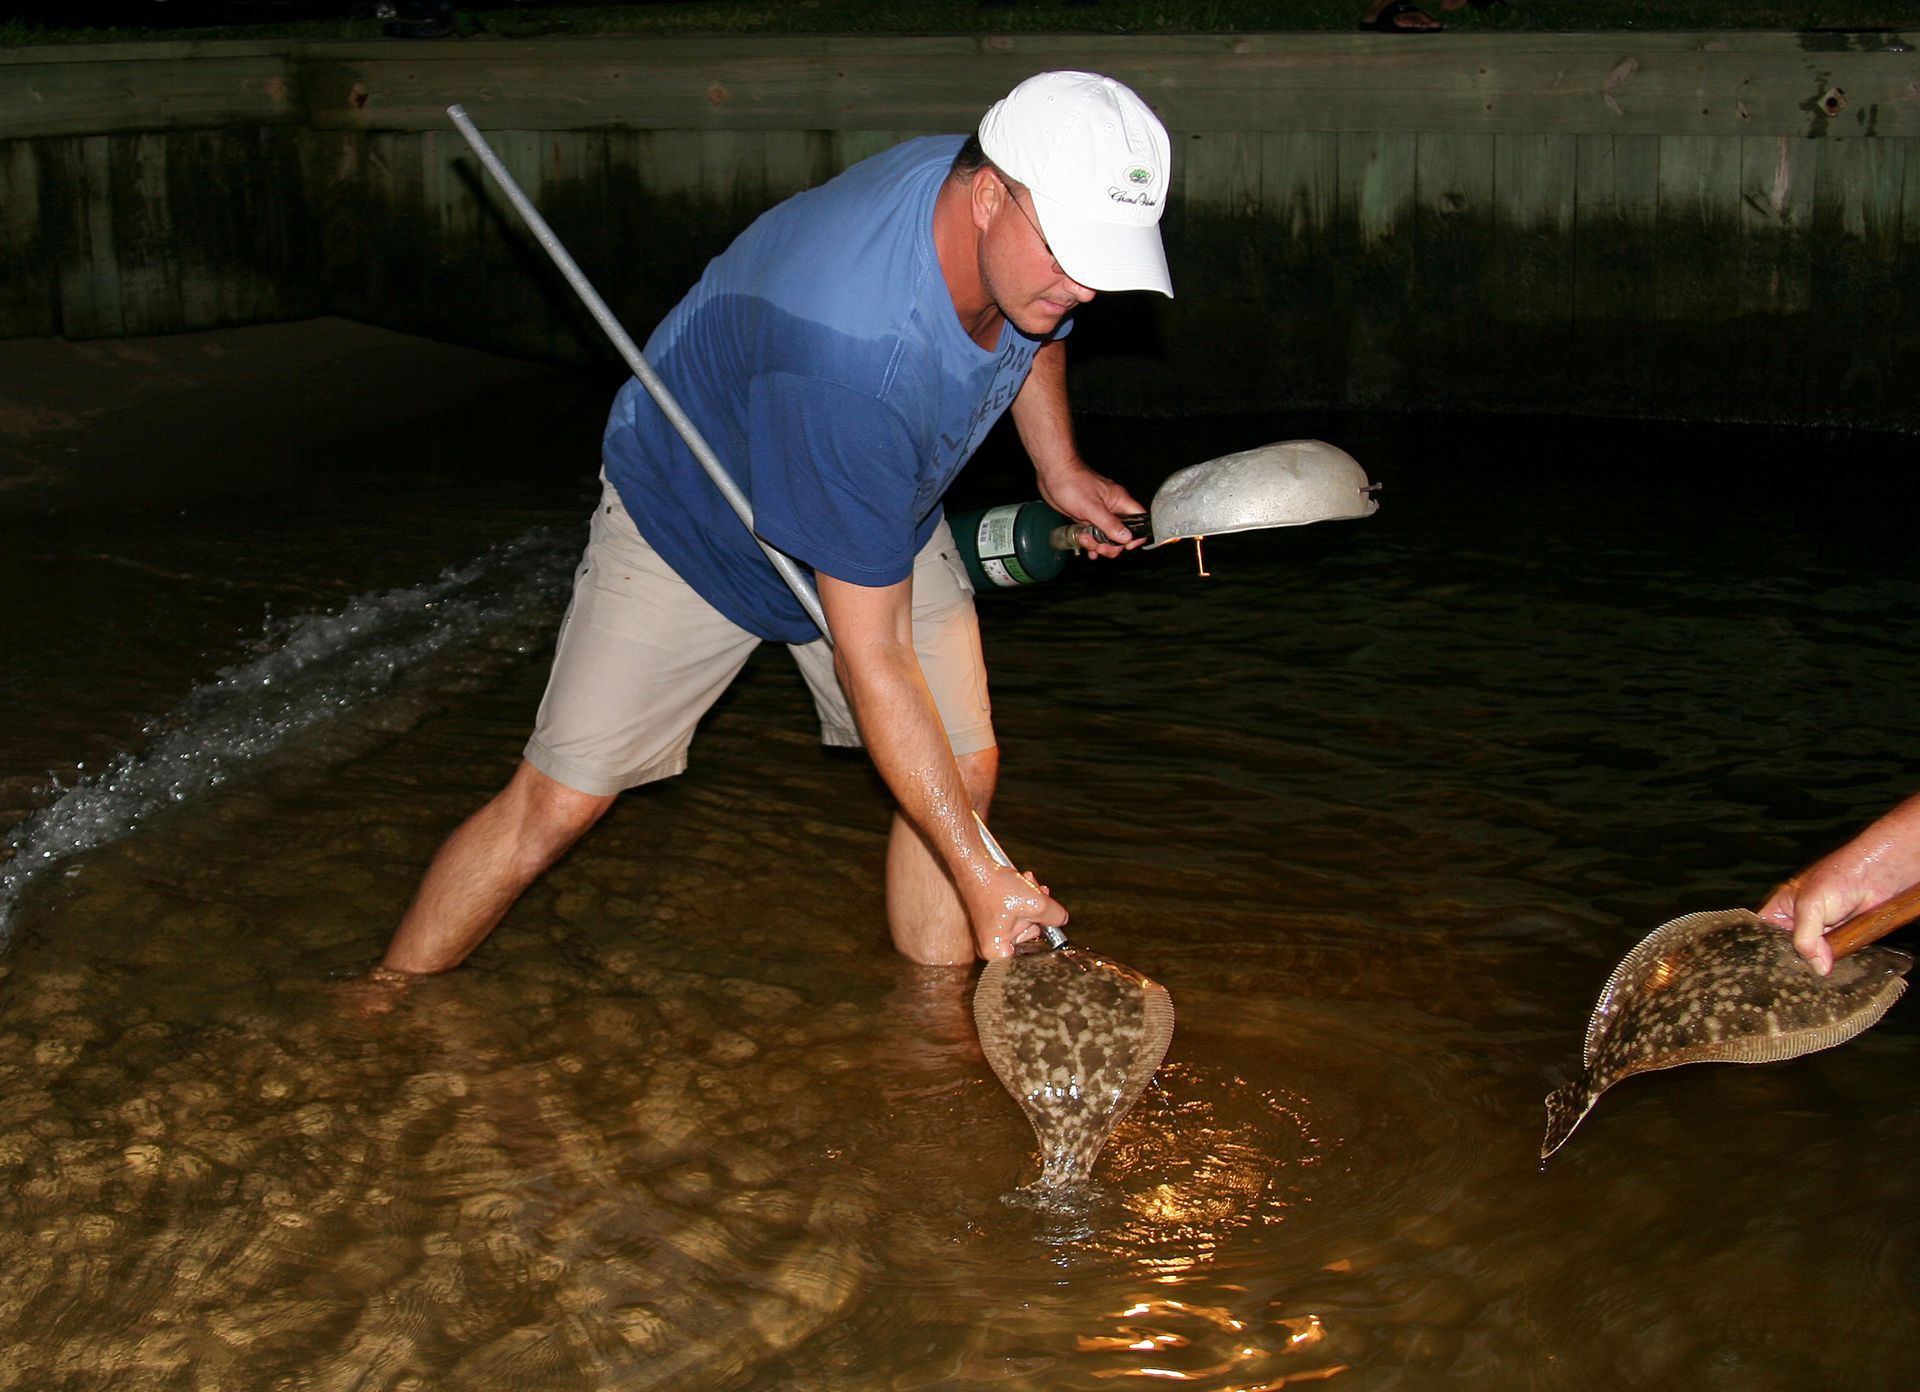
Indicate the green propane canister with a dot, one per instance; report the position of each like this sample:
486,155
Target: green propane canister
1014,544
1022,543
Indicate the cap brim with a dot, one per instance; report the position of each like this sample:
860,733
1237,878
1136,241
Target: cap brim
1104,255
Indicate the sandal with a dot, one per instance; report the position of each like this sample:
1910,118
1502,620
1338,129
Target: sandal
1388,20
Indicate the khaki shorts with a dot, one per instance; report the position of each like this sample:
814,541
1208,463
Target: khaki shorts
641,657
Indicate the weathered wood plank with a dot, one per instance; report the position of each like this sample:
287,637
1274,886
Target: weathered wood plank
28,308
1300,184
455,274
1771,260
665,231
375,254
144,235
1528,285
1448,290
86,255
337,188
1616,258
1859,271
1219,173
460,176
1535,188
733,170
1299,209
1361,221
1698,84
569,171
1375,255
1377,179
1861,194
1698,220
536,307
650,235
158,233
267,236
1777,178
851,146
1218,177
1217,249
568,167
1654,84
1456,191
209,254
1617,192
107,95
1904,362
796,160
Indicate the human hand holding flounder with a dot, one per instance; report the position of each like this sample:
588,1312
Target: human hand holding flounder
1807,915
1868,872
1010,907
1074,1037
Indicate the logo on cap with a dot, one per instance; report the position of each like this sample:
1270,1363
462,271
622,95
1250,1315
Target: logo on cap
1139,175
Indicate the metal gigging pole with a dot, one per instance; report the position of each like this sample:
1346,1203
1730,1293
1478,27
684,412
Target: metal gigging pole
790,572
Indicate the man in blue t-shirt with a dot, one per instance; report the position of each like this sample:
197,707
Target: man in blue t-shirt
844,358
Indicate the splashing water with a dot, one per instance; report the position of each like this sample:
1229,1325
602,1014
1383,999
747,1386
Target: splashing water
306,672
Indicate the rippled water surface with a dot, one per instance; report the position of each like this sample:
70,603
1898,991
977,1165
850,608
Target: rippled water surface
1380,803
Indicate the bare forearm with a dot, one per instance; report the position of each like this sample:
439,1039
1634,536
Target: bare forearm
1042,417
908,745
874,657
1886,855
1046,431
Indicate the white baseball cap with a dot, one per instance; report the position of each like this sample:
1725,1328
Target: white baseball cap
1099,166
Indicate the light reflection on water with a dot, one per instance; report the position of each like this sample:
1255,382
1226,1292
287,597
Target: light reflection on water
1380,803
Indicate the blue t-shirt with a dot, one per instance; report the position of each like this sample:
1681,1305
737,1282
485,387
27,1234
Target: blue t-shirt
822,360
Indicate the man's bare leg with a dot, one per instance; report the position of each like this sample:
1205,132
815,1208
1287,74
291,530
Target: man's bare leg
485,866
924,912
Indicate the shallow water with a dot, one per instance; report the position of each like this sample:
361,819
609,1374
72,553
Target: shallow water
1381,803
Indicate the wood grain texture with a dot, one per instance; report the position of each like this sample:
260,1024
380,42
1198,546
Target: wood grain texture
1673,223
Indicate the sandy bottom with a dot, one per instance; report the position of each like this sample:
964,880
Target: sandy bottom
1379,803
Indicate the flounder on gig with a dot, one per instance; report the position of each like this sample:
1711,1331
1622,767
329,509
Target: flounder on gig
1720,987
1075,1038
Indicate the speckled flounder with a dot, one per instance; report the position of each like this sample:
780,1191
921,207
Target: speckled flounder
1075,1038
1720,987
